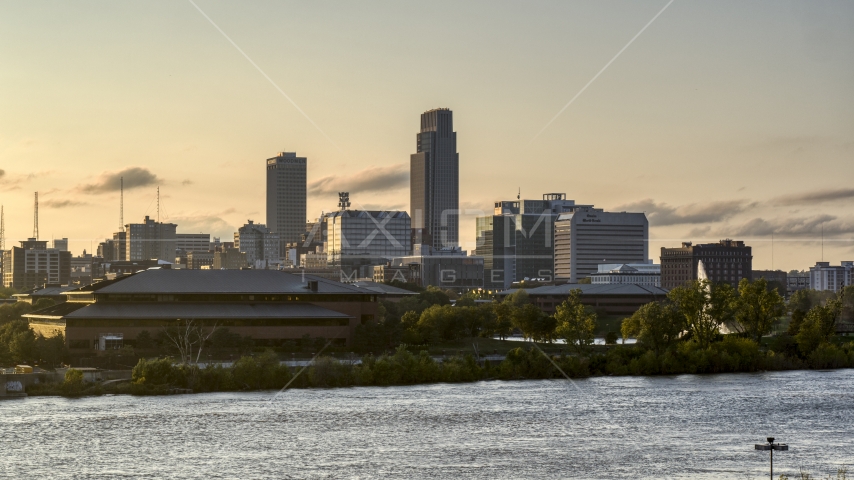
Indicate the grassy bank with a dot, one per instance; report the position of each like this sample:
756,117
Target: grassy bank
732,354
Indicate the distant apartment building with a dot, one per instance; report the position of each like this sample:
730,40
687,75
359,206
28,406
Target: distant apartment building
727,261
824,277
517,240
114,249
797,281
33,264
588,237
150,240
192,242
286,196
434,179
313,260
646,274
258,242
229,259
198,260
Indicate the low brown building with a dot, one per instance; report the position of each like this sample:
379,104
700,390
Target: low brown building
609,299
267,305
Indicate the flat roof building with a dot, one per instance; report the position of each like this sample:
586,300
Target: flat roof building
286,196
727,261
268,306
591,236
824,277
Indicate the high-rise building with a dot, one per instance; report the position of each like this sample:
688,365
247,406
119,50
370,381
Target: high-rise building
149,240
358,240
434,182
286,196
588,237
34,265
825,277
259,244
727,261
517,241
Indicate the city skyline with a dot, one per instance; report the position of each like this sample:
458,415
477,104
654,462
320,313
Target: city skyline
719,122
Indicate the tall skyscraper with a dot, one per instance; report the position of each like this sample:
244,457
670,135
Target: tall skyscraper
286,194
434,182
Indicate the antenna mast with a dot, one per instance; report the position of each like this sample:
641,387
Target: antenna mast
158,203
122,205
2,230
36,218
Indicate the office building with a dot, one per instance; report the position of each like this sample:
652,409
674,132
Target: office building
797,281
60,244
449,268
824,277
270,307
197,260
727,261
517,240
434,181
229,259
366,233
150,240
258,242
647,274
588,237
192,242
33,265
286,196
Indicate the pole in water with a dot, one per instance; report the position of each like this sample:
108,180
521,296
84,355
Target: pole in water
771,446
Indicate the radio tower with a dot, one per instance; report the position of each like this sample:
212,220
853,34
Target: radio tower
36,218
122,205
158,204
2,230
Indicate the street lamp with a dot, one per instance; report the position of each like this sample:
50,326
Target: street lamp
771,446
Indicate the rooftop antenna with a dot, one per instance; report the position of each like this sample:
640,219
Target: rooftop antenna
344,200
158,204
822,242
519,194
36,218
772,250
2,230
122,205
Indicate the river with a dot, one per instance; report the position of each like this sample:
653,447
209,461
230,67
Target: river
687,426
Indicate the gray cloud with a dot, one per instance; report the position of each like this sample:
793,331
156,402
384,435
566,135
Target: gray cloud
662,214
61,203
814,197
794,227
371,179
187,182
212,223
134,177
2,173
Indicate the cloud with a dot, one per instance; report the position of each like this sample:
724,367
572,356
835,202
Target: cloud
62,203
134,177
661,214
212,223
814,197
187,182
371,179
795,226
2,173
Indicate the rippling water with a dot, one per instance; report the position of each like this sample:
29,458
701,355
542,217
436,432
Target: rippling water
688,426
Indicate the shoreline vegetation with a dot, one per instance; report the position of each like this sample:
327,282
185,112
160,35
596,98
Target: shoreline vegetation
681,334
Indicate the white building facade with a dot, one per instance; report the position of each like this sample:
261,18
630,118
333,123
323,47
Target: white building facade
824,277
646,274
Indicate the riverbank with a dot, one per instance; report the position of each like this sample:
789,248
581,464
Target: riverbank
265,371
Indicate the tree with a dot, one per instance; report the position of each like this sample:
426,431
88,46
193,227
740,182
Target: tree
52,350
503,315
73,383
655,325
144,340
518,299
575,323
759,308
534,324
692,302
188,336
819,326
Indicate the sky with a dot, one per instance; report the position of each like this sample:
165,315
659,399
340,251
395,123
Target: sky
724,119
